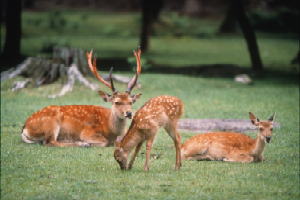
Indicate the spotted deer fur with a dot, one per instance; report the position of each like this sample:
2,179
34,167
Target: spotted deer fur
161,111
229,146
84,125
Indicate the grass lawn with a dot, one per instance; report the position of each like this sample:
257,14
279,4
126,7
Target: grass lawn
36,172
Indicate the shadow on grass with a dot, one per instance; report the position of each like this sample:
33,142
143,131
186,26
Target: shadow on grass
274,76
208,71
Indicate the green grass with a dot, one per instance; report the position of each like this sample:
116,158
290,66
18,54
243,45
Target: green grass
177,41
38,172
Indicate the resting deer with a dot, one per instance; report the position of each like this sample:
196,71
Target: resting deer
84,125
230,147
161,111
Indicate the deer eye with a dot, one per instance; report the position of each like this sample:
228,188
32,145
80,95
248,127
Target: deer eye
271,129
261,129
118,103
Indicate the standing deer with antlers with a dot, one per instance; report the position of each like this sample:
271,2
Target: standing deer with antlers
84,125
230,147
161,111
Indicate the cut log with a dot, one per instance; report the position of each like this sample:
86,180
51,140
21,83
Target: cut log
208,125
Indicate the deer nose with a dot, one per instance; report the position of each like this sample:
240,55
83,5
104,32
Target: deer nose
268,139
129,114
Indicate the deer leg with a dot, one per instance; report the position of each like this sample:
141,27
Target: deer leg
172,131
200,156
148,151
137,149
54,143
239,158
52,135
89,135
259,158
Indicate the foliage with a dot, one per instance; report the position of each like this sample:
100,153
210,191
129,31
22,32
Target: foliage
116,35
144,62
281,20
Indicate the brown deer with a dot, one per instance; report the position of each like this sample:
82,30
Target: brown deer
84,125
161,111
229,147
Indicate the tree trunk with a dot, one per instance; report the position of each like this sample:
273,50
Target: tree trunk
229,23
192,7
12,44
150,13
248,34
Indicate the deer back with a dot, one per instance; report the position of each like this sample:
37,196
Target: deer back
71,118
158,111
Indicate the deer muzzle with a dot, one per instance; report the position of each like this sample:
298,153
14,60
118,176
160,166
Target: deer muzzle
128,115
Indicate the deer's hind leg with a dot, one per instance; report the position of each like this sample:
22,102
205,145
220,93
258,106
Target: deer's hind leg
51,134
201,156
173,133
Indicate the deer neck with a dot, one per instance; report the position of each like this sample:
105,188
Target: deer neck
116,124
131,139
259,145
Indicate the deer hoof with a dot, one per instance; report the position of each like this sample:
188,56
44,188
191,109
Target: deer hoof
84,144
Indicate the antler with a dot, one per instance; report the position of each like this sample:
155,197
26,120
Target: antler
132,82
93,68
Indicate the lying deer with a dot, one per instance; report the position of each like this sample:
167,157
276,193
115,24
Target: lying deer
84,125
230,147
161,111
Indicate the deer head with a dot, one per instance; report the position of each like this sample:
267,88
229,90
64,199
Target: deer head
120,155
265,127
121,101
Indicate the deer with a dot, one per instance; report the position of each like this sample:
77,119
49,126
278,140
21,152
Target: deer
161,111
229,146
85,125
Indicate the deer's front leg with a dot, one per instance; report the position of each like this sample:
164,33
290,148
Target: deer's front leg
243,158
148,151
137,149
89,135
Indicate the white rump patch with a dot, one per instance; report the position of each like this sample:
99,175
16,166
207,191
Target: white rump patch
25,137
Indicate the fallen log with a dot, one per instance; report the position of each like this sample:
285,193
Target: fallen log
209,125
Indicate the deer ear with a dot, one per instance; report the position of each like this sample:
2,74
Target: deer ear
253,119
135,97
271,119
106,97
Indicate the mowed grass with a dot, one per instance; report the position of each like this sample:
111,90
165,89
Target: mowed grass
38,172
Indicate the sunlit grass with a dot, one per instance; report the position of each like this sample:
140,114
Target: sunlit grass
37,172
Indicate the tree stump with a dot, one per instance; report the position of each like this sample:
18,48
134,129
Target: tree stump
68,64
